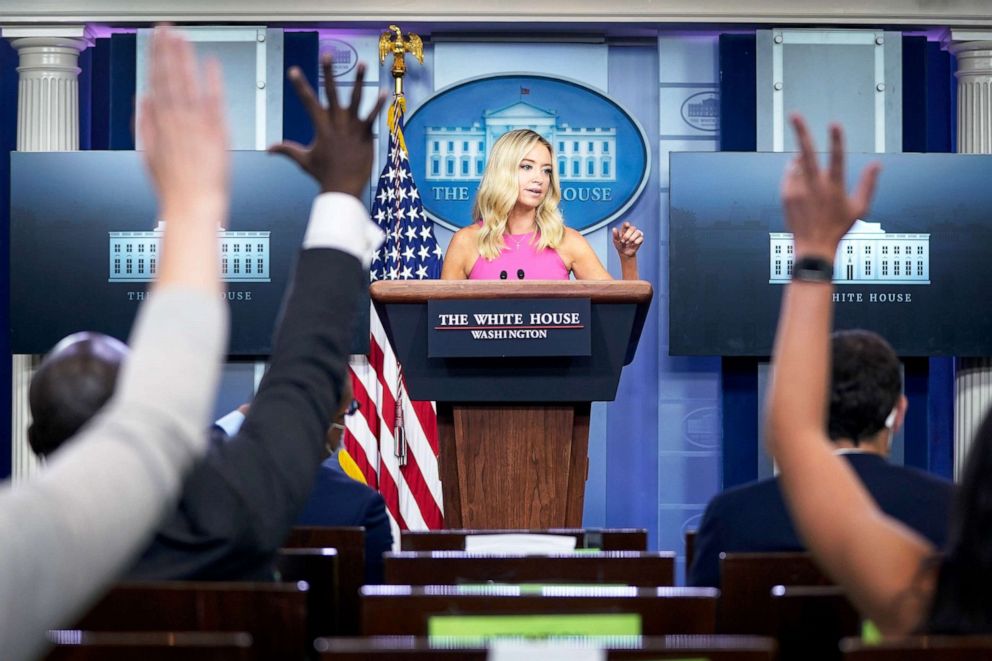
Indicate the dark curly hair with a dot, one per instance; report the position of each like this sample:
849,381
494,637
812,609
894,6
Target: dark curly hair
865,384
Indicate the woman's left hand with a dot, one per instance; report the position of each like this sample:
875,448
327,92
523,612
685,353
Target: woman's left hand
627,239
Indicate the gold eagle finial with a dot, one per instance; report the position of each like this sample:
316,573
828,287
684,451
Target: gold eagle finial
392,41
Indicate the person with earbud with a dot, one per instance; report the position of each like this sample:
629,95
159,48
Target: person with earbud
866,409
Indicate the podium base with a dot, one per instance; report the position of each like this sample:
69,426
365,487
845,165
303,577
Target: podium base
508,466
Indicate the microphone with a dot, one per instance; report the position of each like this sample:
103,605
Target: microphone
520,274
502,275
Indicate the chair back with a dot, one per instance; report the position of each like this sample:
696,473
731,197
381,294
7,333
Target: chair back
634,568
74,645
390,610
746,582
411,648
920,648
604,539
349,542
809,621
318,568
275,614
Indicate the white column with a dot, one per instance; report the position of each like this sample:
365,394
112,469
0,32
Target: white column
973,380
47,120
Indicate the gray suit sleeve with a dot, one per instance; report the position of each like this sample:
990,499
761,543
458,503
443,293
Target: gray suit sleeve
71,529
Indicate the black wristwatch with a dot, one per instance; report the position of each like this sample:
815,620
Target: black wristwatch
813,269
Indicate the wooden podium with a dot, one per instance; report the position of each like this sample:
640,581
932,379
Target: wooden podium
514,432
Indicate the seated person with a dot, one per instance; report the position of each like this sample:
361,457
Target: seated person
519,232
239,503
72,528
866,409
337,499
894,576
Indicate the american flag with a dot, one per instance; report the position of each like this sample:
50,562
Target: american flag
393,439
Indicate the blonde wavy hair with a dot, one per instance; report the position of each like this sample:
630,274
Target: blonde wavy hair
499,191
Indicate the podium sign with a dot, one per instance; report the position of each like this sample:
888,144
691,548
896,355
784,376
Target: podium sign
508,328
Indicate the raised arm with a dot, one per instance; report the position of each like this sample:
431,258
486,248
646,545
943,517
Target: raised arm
70,530
627,240
876,559
584,263
239,505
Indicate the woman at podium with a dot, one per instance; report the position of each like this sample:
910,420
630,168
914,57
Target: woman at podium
519,232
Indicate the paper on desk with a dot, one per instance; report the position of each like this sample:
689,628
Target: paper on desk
518,650
519,543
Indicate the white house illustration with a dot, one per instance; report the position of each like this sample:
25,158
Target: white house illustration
707,109
244,256
459,153
867,255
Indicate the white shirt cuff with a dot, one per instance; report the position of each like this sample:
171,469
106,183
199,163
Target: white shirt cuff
231,423
340,221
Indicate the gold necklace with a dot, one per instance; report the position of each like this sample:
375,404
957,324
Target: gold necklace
518,242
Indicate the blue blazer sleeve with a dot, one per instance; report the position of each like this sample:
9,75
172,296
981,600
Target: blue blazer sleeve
378,540
705,570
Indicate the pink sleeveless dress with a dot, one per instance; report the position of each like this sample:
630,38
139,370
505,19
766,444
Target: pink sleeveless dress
521,256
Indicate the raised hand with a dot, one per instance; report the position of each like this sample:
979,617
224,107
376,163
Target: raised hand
340,156
184,135
627,239
183,132
818,210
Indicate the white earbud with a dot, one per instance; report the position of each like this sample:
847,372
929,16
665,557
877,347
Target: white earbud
891,420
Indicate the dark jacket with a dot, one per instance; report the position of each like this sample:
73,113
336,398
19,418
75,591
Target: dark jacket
239,503
753,517
338,500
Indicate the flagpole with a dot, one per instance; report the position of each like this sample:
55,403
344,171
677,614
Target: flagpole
392,41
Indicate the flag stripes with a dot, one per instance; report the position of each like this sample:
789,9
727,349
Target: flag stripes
407,474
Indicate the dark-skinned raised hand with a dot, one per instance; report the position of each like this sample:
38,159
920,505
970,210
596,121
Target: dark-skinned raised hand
340,155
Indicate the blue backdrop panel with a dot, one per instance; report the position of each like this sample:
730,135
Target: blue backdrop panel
632,419
740,421
99,110
85,98
738,93
300,49
914,94
123,59
928,91
739,382
8,142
